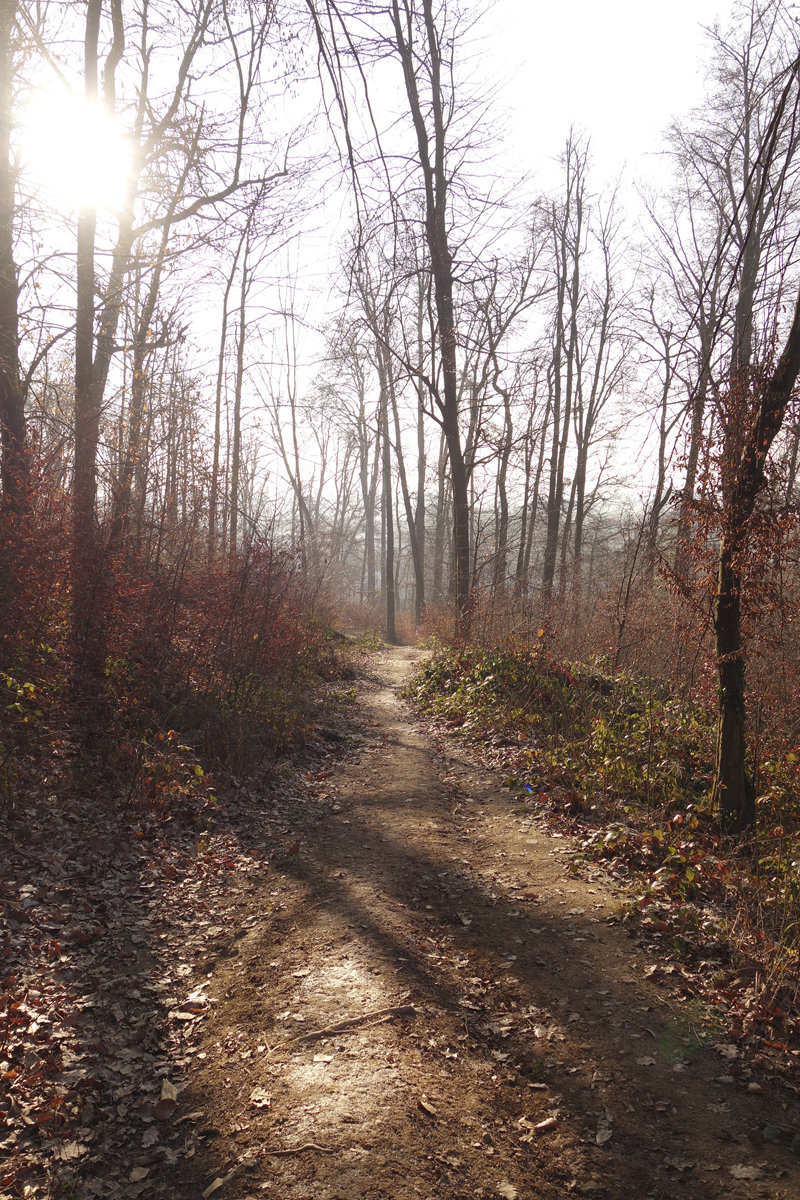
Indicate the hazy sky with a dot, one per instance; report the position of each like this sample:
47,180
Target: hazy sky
617,68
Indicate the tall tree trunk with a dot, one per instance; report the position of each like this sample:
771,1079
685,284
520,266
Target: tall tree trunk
732,787
236,455
438,536
14,474
388,519
419,517
432,161
213,501
371,504
419,582
523,513
502,494
567,234
554,489
86,610
565,538
743,480
535,490
698,407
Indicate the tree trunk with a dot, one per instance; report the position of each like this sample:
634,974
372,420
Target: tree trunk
733,790
523,515
213,500
698,406
742,484
502,494
419,517
86,610
14,476
419,582
236,455
432,160
388,571
438,535
553,491
537,483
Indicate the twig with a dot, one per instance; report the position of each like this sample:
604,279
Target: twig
404,1010
381,1014
300,1149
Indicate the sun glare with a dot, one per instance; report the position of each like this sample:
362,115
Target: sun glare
75,152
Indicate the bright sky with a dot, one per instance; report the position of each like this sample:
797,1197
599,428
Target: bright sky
619,69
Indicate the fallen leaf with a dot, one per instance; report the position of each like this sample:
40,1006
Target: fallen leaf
323,1058
150,1137
260,1098
547,1124
727,1050
603,1135
138,1173
741,1172
164,1109
646,1061
70,1151
679,1164
426,1106
507,1191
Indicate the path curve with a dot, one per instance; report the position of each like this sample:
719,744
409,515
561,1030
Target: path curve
542,1059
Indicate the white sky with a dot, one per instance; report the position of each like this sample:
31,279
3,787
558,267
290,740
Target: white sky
619,69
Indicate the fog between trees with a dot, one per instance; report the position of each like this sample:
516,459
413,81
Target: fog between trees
527,411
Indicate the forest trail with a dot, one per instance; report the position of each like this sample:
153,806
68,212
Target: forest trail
530,1049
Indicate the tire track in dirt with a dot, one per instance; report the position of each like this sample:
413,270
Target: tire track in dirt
542,1061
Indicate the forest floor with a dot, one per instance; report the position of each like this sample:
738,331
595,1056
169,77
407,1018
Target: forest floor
419,999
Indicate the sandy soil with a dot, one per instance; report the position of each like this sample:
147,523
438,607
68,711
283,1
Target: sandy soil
505,1036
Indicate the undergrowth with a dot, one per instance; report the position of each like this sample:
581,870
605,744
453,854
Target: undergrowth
625,762
203,668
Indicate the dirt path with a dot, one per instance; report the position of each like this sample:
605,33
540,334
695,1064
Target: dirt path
528,1049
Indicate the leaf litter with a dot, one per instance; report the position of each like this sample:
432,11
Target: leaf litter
103,1026
108,921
